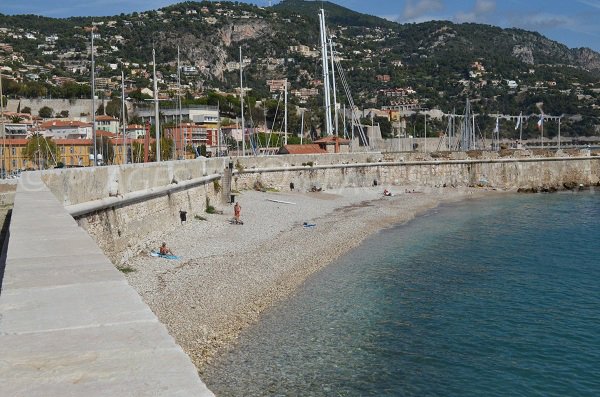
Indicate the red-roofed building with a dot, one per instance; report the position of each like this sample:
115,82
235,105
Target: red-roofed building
107,123
302,149
61,129
334,144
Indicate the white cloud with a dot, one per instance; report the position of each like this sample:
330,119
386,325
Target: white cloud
542,21
591,3
483,7
480,12
414,9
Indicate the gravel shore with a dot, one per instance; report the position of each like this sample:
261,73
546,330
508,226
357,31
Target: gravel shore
229,273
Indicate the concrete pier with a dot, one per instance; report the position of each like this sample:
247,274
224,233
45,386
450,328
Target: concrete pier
70,325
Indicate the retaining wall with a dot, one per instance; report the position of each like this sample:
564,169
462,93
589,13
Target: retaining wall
122,206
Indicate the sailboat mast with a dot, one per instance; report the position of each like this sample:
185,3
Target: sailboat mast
302,128
123,116
156,113
218,129
94,101
285,114
324,56
335,104
242,105
183,143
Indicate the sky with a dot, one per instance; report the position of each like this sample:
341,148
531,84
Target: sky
571,22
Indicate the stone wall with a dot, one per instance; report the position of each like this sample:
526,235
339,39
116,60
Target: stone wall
511,171
122,231
160,191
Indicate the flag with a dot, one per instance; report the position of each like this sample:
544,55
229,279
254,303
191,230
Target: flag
518,122
541,121
497,129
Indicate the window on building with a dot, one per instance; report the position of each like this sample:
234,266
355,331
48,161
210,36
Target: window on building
14,164
14,151
71,149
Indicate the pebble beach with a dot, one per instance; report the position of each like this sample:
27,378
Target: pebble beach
228,274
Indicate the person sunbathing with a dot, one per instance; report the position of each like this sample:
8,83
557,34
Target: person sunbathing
164,250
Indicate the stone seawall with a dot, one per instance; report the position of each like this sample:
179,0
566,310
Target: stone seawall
129,204
123,206
537,173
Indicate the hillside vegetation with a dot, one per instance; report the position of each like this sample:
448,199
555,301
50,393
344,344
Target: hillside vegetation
435,64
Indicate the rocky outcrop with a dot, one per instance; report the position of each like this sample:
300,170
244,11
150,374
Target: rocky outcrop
524,54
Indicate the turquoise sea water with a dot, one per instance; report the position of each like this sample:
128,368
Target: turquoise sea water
492,297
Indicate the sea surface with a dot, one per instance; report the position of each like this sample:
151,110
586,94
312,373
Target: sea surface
491,297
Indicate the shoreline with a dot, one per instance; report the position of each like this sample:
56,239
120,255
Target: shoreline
230,274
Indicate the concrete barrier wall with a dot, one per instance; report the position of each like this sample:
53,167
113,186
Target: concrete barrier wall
80,185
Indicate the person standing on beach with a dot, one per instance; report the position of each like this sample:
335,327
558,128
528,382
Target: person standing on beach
237,210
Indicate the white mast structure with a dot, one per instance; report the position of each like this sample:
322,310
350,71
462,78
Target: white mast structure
285,114
242,104
335,104
156,113
123,116
179,108
94,101
325,59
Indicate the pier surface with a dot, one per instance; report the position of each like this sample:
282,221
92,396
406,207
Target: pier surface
70,324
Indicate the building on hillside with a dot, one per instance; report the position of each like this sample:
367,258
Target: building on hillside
277,85
310,148
75,152
334,144
305,93
61,129
17,130
71,152
136,131
187,135
107,123
384,78
198,114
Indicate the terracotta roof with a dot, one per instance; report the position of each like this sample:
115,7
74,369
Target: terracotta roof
333,139
18,141
63,124
105,118
63,142
105,133
304,149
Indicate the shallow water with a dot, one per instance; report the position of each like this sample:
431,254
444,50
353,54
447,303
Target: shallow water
490,297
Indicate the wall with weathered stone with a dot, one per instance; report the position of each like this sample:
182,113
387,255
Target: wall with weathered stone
122,206
122,231
80,185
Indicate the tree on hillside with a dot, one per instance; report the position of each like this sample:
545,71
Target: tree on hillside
45,112
113,108
41,151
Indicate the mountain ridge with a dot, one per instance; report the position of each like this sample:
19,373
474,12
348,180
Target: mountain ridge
435,64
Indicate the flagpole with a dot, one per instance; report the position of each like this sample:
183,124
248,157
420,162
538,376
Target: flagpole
559,132
521,128
542,129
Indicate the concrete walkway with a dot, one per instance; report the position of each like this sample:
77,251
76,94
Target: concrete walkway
70,324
